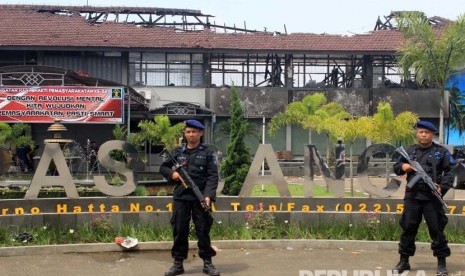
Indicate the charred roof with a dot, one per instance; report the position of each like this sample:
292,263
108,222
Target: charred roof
34,27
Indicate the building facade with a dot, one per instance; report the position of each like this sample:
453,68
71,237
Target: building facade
186,69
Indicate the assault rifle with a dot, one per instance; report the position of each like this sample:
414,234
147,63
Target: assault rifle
421,174
187,181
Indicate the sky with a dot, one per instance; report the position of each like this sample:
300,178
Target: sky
299,16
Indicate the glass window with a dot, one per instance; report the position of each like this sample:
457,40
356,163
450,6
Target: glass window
134,57
155,75
179,75
162,69
217,78
197,75
197,58
154,57
179,58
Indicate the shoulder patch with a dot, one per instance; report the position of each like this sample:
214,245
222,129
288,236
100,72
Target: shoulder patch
448,155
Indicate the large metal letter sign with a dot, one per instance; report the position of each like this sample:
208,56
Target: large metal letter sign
103,157
265,151
52,151
384,186
312,159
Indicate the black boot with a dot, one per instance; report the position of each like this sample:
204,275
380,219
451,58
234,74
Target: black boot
209,268
402,265
175,269
442,269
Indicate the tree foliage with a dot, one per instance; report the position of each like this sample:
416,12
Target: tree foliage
432,53
354,128
349,130
120,132
237,162
159,131
311,113
15,135
387,128
297,113
325,119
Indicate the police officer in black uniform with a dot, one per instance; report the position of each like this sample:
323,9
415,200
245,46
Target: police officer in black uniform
200,162
438,163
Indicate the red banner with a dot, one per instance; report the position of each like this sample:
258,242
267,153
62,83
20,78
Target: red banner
70,104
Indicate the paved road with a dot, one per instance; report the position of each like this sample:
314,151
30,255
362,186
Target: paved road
303,262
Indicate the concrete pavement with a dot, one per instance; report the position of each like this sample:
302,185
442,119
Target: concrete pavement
281,257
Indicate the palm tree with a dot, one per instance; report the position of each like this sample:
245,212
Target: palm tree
159,131
325,120
390,129
350,130
432,53
311,113
296,113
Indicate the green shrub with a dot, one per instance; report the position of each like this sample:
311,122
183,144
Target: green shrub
237,162
257,225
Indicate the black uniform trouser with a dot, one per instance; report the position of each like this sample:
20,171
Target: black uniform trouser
182,213
436,220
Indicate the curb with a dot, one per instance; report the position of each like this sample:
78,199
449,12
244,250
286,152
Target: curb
221,244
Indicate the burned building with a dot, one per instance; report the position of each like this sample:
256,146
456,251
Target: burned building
178,62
